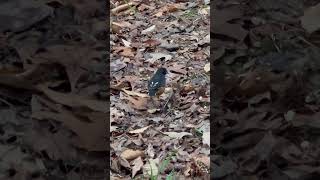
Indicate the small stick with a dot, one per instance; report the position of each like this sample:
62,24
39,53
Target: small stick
122,7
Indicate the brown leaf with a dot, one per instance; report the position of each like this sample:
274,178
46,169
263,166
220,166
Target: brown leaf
124,51
90,135
74,63
151,43
138,164
132,93
130,154
73,100
137,102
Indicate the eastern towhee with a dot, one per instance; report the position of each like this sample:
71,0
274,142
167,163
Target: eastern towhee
157,83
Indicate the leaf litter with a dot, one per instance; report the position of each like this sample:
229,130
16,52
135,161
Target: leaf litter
161,34
266,109
53,90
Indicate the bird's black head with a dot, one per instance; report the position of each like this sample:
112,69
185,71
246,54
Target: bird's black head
162,71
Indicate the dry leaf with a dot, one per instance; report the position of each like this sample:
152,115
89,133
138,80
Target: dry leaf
138,164
124,163
74,63
149,30
153,110
206,138
113,128
132,93
137,131
138,102
310,20
156,56
73,100
177,135
124,51
126,43
130,154
207,67
151,167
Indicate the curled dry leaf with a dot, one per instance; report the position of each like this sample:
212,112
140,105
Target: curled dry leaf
137,131
138,164
130,154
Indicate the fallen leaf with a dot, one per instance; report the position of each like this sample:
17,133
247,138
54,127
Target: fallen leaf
310,19
151,167
138,131
132,93
207,67
151,43
138,164
124,51
153,110
73,100
156,56
126,43
20,15
113,128
137,102
124,163
117,65
130,154
74,63
177,135
90,136
206,138
149,30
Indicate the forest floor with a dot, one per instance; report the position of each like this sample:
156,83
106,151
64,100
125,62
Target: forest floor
53,90
169,138
267,82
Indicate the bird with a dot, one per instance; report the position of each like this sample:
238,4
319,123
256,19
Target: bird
157,82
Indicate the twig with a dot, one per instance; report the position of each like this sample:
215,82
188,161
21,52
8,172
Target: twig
122,7
307,42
